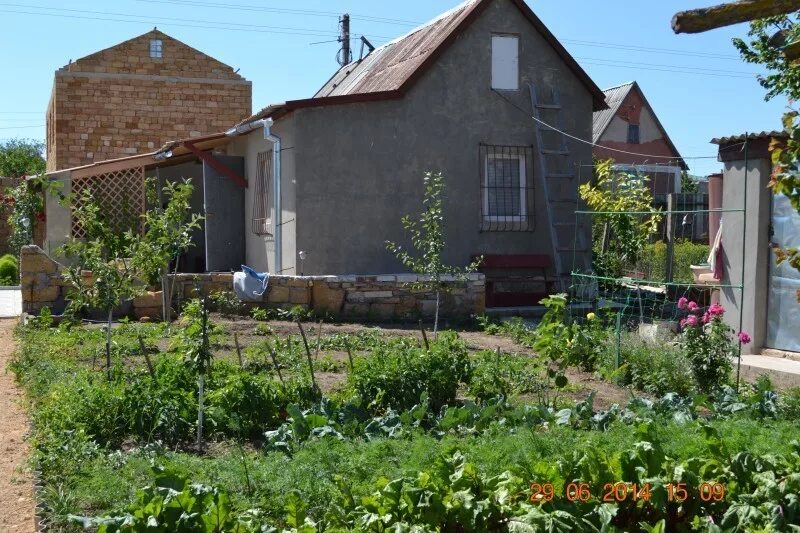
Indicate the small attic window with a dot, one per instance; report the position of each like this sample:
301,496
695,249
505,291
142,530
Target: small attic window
505,62
156,48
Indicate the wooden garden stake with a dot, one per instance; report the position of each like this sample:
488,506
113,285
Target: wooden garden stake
238,348
274,357
424,336
308,354
319,338
143,348
349,354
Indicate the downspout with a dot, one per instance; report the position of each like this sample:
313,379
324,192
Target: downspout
278,206
267,123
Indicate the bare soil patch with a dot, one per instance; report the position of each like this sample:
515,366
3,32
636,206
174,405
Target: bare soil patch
16,486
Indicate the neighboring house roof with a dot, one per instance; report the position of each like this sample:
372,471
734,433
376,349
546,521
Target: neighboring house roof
390,70
751,136
601,119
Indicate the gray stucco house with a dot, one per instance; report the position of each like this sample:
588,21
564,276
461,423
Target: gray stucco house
317,186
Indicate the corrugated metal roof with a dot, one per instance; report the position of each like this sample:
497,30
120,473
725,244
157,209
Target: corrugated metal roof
391,65
750,136
389,70
614,98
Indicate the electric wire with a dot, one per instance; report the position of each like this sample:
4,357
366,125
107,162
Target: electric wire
21,127
592,143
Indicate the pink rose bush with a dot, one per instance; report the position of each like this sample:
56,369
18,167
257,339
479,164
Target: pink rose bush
744,338
708,343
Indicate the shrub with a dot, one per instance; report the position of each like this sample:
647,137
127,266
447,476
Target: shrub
652,263
9,272
396,376
497,374
707,343
245,404
653,367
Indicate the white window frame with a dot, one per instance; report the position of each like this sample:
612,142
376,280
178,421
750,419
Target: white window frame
156,49
523,208
505,68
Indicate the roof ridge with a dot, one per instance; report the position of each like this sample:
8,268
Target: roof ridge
632,82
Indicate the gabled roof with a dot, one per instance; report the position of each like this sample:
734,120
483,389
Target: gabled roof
614,98
601,120
391,70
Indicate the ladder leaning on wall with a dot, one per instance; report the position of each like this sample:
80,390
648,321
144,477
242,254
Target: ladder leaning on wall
560,188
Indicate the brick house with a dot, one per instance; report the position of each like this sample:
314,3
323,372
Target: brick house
630,124
135,96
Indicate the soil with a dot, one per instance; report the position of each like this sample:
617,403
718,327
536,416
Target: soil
16,486
581,383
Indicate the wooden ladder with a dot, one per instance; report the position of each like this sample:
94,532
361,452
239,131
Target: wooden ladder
570,249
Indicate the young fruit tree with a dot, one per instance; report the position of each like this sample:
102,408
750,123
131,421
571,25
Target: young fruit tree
427,237
103,254
193,341
167,234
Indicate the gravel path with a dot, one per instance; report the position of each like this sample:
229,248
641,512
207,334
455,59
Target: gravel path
16,487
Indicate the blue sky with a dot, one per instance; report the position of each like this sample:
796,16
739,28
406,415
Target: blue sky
696,84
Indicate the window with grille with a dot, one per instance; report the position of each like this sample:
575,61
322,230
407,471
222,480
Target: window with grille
506,188
633,134
156,48
262,200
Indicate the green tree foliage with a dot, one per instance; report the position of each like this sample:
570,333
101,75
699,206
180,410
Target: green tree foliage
688,184
626,218
763,49
21,157
427,236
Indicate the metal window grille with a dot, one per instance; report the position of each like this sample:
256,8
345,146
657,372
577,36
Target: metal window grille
156,48
120,196
507,193
262,224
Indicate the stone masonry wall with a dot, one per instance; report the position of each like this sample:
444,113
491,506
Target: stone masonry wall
120,101
386,297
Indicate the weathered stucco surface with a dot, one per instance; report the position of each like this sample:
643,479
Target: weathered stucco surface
358,168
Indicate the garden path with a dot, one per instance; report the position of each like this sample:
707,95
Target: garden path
16,488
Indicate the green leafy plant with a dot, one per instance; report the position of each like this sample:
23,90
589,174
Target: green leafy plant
21,157
9,273
194,343
625,217
167,234
427,237
707,343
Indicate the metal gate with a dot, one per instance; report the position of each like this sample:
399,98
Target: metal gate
783,308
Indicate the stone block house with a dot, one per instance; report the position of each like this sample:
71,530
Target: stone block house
317,186
133,97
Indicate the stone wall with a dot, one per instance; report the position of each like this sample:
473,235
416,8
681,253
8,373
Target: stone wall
120,101
387,297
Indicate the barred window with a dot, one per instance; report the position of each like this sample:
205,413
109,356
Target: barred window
506,188
262,225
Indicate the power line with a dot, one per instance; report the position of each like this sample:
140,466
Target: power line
667,51
592,143
20,112
22,127
244,7
623,64
703,69
203,24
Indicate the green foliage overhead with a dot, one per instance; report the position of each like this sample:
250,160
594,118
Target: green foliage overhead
21,157
763,49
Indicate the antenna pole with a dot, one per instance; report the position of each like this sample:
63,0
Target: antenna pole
344,25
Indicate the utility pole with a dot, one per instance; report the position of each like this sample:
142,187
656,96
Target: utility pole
344,38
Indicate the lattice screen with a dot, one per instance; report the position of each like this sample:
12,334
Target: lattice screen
120,196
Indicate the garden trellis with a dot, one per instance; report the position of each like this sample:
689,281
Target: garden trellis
643,295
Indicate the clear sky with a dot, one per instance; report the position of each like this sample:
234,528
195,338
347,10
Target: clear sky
696,83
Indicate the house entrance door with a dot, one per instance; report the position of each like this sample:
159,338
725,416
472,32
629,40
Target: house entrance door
224,212
783,309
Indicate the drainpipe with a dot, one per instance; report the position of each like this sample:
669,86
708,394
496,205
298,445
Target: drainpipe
276,177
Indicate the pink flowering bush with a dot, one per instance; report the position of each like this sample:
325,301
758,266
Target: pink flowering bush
709,344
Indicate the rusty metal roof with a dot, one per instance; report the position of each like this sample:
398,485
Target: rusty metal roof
750,136
614,98
390,70
388,67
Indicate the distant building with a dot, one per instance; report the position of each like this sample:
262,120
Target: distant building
137,95
630,125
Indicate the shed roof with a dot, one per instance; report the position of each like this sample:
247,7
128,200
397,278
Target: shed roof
751,136
390,70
